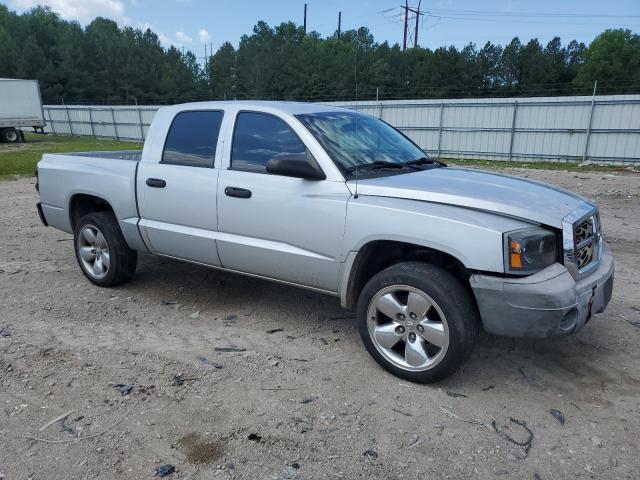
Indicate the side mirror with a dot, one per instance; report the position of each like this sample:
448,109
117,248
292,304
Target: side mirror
301,165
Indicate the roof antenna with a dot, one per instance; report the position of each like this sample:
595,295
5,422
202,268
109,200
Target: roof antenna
355,76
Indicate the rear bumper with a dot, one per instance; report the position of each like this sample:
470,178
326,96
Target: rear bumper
545,304
41,214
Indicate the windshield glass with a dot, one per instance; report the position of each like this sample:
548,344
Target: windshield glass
352,138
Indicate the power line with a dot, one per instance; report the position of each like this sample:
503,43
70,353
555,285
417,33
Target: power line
529,14
515,20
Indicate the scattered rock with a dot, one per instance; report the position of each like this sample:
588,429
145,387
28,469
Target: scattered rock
370,453
275,330
401,412
195,315
206,361
178,380
4,332
230,349
124,388
488,387
254,437
65,427
165,470
323,341
305,423
230,318
295,465
558,415
455,394
309,399
168,302
596,441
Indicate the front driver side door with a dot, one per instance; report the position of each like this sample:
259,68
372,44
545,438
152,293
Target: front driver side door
279,227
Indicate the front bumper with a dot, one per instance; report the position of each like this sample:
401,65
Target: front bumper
550,302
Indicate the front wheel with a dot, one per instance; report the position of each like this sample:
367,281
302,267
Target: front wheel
101,251
417,321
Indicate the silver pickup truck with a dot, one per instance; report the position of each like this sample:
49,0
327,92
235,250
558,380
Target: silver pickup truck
342,203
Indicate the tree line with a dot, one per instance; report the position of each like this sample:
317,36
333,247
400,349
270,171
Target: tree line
104,63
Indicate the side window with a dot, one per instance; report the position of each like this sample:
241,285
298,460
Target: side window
258,137
192,139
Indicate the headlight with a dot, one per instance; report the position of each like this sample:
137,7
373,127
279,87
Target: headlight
529,250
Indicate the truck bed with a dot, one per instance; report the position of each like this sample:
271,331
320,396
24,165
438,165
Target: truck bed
131,155
111,176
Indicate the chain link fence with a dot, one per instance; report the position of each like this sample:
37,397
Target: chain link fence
599,129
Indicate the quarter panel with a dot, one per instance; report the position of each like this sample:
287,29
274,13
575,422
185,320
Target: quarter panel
63,176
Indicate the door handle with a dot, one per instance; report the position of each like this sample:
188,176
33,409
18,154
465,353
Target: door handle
156,182
237,192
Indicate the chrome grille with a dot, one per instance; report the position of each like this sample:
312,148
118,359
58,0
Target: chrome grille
586,241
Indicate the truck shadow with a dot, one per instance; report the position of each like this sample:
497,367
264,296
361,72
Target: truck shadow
580,365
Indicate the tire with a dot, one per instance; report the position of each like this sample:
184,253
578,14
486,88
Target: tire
417,321
9,135
101,251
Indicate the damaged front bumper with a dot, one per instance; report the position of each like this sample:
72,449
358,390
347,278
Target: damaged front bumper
550,302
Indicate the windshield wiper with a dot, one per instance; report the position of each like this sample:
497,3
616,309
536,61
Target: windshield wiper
377,165
420,161
423,161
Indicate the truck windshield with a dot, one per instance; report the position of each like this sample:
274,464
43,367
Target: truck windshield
353,139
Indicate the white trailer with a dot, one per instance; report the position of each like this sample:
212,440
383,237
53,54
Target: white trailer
20,107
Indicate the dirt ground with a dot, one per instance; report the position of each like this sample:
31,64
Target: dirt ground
302,399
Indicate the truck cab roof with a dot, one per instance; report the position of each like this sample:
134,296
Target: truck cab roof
290,108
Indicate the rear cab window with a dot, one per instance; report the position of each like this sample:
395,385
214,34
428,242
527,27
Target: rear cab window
259,137
192,138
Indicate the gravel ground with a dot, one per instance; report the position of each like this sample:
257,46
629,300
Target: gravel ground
302,399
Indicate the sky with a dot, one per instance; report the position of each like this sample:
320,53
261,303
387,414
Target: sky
200,24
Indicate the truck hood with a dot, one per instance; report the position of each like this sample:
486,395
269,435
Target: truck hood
480,190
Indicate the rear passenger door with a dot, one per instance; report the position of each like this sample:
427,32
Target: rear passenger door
177,195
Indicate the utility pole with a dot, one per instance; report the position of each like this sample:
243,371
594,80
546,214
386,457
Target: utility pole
339,23
415,36
417,12
406,19
305,18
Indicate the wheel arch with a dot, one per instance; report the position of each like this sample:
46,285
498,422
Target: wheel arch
376,255
81,204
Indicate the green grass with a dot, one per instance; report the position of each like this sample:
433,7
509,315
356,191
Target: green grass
563,166
20,159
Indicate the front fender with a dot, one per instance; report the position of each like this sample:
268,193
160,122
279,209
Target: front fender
471,236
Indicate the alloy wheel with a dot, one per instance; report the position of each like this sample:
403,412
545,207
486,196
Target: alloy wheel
408,328
93,252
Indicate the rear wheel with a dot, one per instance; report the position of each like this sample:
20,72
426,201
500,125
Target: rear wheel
417,321
9,135
101,251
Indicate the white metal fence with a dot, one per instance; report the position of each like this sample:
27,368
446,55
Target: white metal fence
601,129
